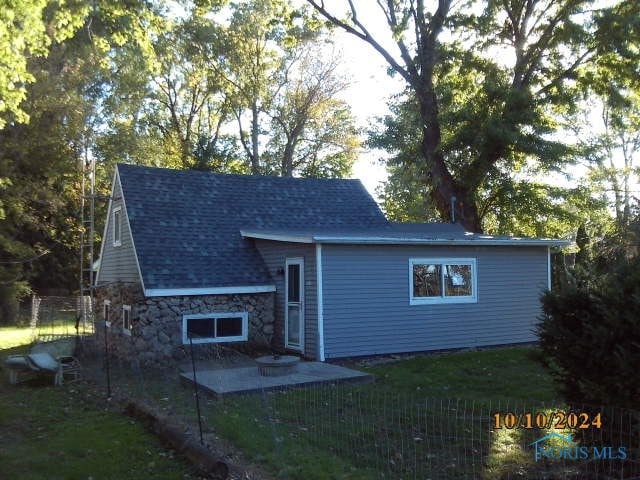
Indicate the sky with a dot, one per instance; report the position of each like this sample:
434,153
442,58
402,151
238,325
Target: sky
370,88
367,95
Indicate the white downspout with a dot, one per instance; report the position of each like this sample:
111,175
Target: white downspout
320,302
549,268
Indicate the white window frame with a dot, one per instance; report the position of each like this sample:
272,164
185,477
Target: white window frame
473,298
126,311
117,241
106,312
214,316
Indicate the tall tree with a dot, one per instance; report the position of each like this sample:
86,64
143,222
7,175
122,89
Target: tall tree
187,96
514,202
27,30
312,130
265,40
613,153
39,228
543,46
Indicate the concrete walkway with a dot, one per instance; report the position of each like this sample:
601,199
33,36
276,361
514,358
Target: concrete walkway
247,379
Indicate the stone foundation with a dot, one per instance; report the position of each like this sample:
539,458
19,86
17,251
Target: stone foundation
156,332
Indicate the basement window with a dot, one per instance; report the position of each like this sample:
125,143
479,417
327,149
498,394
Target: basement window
215,327
117,226
442,280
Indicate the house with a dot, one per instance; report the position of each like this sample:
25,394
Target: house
310,266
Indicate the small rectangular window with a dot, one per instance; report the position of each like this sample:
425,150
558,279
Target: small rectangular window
106,312
126,319
117,226
215,327
445,280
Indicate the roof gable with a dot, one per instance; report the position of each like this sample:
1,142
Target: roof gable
186,224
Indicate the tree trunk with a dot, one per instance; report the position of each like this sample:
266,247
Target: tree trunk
453,201
287,160
255,146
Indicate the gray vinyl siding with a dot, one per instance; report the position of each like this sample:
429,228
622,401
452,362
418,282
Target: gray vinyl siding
367,310
118,264
274,255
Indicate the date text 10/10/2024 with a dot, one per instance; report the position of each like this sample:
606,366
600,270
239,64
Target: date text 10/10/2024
540,420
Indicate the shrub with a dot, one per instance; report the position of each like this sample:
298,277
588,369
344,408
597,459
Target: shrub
590,338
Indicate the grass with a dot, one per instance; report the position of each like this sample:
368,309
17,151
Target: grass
503,374
62,433
383,430
410,423
11,337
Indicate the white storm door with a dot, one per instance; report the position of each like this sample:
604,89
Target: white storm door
294,304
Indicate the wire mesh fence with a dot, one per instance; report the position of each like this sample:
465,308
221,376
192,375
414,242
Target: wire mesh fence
54,317
365,431
337,430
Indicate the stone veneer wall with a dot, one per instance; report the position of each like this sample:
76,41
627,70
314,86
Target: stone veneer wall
156,336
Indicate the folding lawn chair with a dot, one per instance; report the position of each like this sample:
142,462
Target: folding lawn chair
41,361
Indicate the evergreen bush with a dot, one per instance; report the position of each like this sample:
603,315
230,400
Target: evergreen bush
590,338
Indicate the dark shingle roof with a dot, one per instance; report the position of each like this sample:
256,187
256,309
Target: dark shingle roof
186,224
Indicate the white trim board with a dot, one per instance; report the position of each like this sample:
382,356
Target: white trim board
494,242
293,238
548,268
320,302
117,242
478,240
178,292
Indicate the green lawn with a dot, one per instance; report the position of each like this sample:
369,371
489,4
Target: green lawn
427,416
11,337
49,433
502,374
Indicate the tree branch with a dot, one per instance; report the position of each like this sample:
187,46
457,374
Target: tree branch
363,35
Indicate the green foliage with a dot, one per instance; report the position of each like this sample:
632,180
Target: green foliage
486,83
39,174
404,196
140,84
590,338
509,200
27,30
38,231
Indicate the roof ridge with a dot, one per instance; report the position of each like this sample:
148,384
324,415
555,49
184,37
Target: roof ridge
238,175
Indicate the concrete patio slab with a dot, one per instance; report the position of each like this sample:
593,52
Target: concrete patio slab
247,379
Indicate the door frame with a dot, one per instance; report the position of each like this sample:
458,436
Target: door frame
300,262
